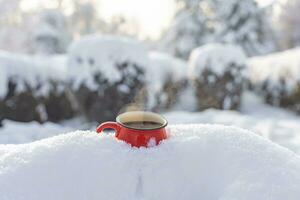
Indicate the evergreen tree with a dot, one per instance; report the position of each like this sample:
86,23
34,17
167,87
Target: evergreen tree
84,18
52,34
245,24
289,23
187,30
232,21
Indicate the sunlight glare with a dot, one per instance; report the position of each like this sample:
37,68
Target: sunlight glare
151,16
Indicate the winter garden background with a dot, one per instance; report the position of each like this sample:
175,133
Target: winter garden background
71,64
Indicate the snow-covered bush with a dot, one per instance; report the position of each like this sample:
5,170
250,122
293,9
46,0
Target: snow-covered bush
32,88
106,74
167,77
277,78
217,73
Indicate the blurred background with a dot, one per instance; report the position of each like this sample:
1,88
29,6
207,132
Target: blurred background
24,21
71,64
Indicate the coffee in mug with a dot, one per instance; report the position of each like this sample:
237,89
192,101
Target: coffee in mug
138,128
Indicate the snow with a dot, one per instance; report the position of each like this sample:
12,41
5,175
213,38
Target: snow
244,23
196,162
46,30
275,68
197,22
163,68
94,53
284,132
20,132
187,100
215,57
51,34
276,124
288,24
186,32
32,70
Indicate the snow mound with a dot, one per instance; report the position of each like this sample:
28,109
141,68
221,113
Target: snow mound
215,57
276,68
19,132
93,54
196,162
284,132
35,71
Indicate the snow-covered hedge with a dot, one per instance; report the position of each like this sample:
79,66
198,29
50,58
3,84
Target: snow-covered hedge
106,74
217,74
277,78
102,76
166,78
196,162
33,88
35,72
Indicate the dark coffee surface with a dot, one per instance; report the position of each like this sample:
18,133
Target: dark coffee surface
143,125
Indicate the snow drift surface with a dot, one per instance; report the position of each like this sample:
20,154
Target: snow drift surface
24,132
196,162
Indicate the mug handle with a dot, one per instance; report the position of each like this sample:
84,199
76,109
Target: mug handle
106,125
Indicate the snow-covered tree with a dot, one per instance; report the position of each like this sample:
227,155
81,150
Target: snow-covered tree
187,30
232,21
289,23
52,34
15,27
121,25
243,23
84,18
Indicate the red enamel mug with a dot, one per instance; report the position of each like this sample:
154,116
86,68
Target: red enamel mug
138,128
